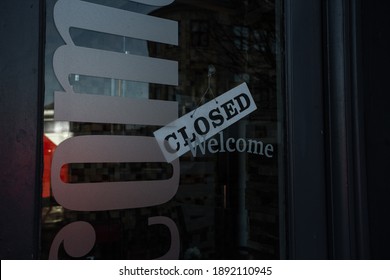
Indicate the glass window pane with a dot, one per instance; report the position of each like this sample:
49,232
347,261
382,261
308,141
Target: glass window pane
117,72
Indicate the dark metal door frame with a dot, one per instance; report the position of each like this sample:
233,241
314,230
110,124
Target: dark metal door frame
327,190
21,84
306,187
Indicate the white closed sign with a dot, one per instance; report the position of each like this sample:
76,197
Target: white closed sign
204,122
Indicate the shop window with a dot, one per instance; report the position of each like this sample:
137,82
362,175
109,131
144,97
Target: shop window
108,91
241,37
199,33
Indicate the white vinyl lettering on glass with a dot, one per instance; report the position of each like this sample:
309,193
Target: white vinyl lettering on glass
70,106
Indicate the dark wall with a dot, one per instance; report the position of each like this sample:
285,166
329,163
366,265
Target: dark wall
19,128
376,78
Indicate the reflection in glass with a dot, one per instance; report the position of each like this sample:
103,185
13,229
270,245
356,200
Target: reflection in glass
229,204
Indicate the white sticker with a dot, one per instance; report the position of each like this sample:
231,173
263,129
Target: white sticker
204,122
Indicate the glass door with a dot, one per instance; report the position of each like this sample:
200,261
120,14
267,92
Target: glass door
164,130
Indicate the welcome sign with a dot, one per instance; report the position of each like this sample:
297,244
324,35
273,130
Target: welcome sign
176,138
